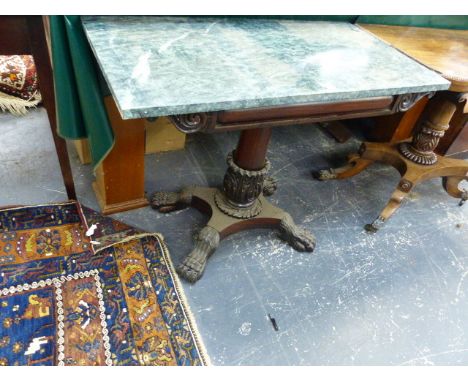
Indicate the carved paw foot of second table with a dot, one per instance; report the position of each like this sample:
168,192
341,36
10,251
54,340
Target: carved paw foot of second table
355,165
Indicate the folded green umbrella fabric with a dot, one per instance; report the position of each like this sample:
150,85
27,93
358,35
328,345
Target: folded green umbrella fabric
80,107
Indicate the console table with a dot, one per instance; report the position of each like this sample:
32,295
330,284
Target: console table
446,52
219,74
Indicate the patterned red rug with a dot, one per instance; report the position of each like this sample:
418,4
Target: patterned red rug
19,87
111,298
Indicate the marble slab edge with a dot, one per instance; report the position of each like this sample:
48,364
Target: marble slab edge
265,102
155,111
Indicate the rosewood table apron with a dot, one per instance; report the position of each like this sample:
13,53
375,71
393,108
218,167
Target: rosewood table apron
219,74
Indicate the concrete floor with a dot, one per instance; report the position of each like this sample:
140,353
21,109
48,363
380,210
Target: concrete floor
396,297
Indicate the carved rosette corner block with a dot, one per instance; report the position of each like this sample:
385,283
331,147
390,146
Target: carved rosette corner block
194,122
241,189
405,102
405,185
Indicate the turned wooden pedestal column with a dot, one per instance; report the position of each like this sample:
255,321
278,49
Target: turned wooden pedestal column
421,149
240,205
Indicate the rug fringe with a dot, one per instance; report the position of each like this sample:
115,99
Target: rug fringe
183,299
18,106
178,287
18,207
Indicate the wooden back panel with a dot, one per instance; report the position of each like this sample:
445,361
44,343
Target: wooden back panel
16,36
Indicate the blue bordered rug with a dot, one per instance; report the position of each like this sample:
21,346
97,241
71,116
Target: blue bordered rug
71,299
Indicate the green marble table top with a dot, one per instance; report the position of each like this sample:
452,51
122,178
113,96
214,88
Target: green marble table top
158,66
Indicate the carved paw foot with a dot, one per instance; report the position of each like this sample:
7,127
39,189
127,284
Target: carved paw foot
191,269
270,185
324,174
206,242
170,201
355,165
298,238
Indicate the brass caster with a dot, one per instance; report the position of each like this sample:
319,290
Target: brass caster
375,225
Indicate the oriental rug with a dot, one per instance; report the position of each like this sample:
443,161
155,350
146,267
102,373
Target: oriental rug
107,230
67,298
19,87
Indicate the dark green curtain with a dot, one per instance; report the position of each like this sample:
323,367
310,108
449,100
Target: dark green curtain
439,21
80,107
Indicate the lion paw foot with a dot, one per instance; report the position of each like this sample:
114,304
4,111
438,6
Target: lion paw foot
191,269
298,238
169,201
